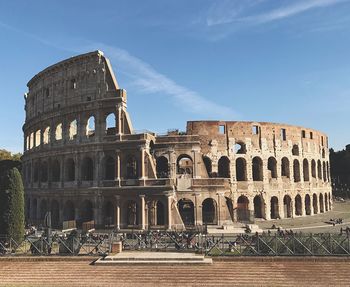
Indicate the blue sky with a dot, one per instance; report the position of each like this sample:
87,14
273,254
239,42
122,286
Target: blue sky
260,60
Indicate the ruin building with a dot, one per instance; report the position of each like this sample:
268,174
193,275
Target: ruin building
84,162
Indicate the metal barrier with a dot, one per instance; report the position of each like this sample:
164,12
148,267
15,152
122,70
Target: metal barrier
323,244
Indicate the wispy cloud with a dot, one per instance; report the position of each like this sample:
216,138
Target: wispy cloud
147,80
236,12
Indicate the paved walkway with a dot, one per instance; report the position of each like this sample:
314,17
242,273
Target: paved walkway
243,272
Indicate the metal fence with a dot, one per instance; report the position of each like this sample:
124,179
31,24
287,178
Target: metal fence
323,244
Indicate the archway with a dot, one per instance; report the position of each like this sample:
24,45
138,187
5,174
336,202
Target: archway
162,167
208,165
321,203
326,201
285,171
257,167
241,169
313,168
287,204
87,169
298,205
258,207
132,168
306,170
108,214
307,205
55,171
109,168
86,211
272,167
110,124
274,208
209,208
296,170
243,213
224,167
70,170
160,213
184,165
44,171
186,209
132,213
55,214
315,203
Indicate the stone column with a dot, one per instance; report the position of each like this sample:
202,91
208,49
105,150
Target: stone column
198,209
117,167
142,215
267,208
280,207
292,203
117,211
303,211
143,173
169,217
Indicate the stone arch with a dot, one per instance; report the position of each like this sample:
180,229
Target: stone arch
184,164
307,204
257,169
324,172
243,213
68,211
108,214
86,211
224,167
313,168
55,171
55,214
306,171
70,169
298,205
132,213
132,168
90,127
319,169
109,168
160,213
186,210
73,130
208,165
87,169
285,170
287,206
274,208
321,203
296,170
46,135
209,211
111,124
44,171
162,167
240,148
259,207
295,150
58,132
315,203
272,167
241,169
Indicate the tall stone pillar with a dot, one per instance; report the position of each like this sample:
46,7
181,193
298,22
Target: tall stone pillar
142,212
169,217
198,209
117,211
117,167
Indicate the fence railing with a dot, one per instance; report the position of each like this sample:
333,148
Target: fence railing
323,244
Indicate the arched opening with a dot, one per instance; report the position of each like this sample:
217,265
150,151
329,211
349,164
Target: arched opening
111,124
70,170
307,205
296,170
160,213
274,208
131,168
58,132
73,130
184,165
209,211
229,205
285,171
208,165
240,148
241,169
257,169
43,209
46,135
321,203
319,169
323,153
295,150
68,211
315,203
326,201
90,127
55,171
313,168
55,214
132,213
224,167
87,171
287,206
86,211
272,167
186,209
243,213
162,166
324,172
108,214
109,168
298,205
306,171
37,138
258,207
43,171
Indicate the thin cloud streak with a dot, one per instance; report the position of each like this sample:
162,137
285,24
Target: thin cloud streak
272,15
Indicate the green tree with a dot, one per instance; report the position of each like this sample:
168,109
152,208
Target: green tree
7,155
12,204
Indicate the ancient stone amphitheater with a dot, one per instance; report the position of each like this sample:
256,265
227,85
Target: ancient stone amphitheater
84,162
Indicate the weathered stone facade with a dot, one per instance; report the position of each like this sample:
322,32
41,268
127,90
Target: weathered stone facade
83,161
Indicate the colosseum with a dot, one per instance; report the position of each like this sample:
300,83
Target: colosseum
84,162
